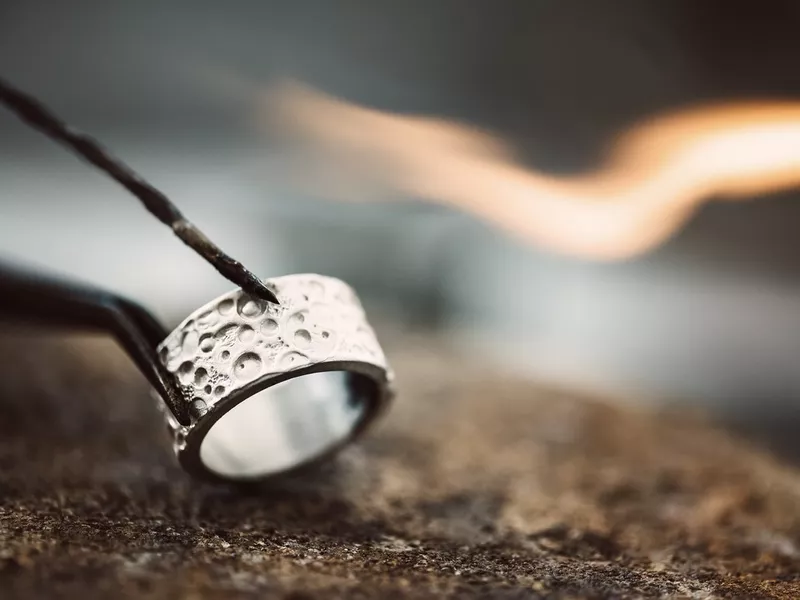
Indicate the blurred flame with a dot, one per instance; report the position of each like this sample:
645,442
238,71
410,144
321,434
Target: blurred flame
659,172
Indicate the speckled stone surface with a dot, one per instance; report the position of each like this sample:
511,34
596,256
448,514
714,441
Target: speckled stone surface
474,486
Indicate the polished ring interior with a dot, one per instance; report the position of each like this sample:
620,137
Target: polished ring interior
274,387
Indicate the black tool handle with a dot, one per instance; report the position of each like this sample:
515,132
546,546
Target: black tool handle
46,299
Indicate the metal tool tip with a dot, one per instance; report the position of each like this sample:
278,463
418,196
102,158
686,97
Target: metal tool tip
265,293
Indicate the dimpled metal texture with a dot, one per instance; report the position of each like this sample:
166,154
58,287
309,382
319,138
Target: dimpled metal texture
236,339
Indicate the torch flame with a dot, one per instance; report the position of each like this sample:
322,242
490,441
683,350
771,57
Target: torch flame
658,173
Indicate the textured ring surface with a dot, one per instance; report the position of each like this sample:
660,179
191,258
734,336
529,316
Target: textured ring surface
237,345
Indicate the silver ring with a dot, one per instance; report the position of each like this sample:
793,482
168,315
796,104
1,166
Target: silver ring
271,388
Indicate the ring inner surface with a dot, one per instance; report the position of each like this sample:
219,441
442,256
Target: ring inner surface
286,425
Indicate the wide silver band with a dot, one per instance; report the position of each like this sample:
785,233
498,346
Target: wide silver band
273,387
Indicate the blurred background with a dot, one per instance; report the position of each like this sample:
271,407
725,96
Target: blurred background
546,184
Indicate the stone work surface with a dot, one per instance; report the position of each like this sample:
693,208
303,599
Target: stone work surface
474,486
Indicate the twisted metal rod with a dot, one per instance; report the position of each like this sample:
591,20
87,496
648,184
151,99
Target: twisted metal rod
35,114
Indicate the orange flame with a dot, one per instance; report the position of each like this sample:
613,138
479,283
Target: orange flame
658,174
